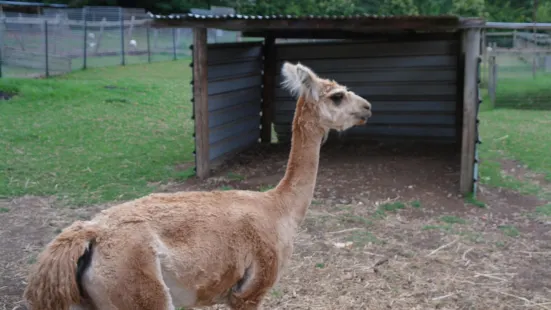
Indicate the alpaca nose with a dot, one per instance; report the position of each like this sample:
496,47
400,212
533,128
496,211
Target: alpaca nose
367,105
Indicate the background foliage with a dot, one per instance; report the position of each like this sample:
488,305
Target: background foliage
493,10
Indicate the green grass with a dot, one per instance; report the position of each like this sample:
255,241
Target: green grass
235,177
389,207
524,92
475,202
451,219
544,210
72,137
521,135
361,238
265,188
445,227
509,230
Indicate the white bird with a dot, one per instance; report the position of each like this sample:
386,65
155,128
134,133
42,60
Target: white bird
133,43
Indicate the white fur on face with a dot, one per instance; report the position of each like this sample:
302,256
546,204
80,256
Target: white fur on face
302,81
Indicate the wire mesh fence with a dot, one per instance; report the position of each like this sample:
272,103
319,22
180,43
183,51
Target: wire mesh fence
516,70
63,40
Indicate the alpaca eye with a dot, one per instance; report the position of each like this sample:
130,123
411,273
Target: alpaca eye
337,97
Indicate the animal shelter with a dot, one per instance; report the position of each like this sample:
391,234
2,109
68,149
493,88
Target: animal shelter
420,73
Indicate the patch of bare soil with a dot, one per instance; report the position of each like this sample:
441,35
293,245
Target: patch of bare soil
27,224
386,230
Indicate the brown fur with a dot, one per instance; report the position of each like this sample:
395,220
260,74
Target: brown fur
196,248
57,265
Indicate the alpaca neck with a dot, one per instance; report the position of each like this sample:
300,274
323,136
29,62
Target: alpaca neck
296,189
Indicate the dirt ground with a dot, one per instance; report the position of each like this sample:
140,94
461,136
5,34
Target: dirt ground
386,230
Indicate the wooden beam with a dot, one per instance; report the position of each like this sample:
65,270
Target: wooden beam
471,50
499,34
460,81
268,92
200,102
395,35
518,26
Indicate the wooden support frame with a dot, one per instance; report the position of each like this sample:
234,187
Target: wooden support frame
200,102
471,51
460,86
268,90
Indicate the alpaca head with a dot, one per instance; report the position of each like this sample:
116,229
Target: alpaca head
335,106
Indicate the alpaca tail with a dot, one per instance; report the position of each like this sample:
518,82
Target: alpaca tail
55,281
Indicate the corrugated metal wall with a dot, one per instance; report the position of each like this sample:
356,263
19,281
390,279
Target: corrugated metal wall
411,85
234,96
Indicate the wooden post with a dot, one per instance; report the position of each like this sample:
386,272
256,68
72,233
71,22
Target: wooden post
471,49
100,35
484,51
148,34
131,30
459,100
268,92
200,102
47,63
121,17
491,93
174,44
85,30
492,80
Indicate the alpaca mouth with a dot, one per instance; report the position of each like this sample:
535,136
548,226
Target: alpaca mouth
362,119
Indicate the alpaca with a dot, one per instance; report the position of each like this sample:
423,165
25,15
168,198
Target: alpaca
193,249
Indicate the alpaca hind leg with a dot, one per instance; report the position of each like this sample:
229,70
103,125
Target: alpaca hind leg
145,291
135,283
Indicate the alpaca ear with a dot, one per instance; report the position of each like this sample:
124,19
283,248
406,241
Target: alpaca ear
300,80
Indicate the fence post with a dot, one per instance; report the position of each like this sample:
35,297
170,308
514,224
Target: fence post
492,79
173,43
147,30
1,49
121,16
1,60
85,47
46,47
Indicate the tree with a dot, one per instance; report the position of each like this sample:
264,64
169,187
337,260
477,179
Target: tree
398,7
468,8
303,7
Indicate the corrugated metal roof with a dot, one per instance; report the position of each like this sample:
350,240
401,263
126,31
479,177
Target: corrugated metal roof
358,23
21,3
191,16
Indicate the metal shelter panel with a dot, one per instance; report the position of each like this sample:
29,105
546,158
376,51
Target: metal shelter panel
234,97
412,85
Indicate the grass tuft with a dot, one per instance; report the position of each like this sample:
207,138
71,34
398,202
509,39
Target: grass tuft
509,230
544,210
451,219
